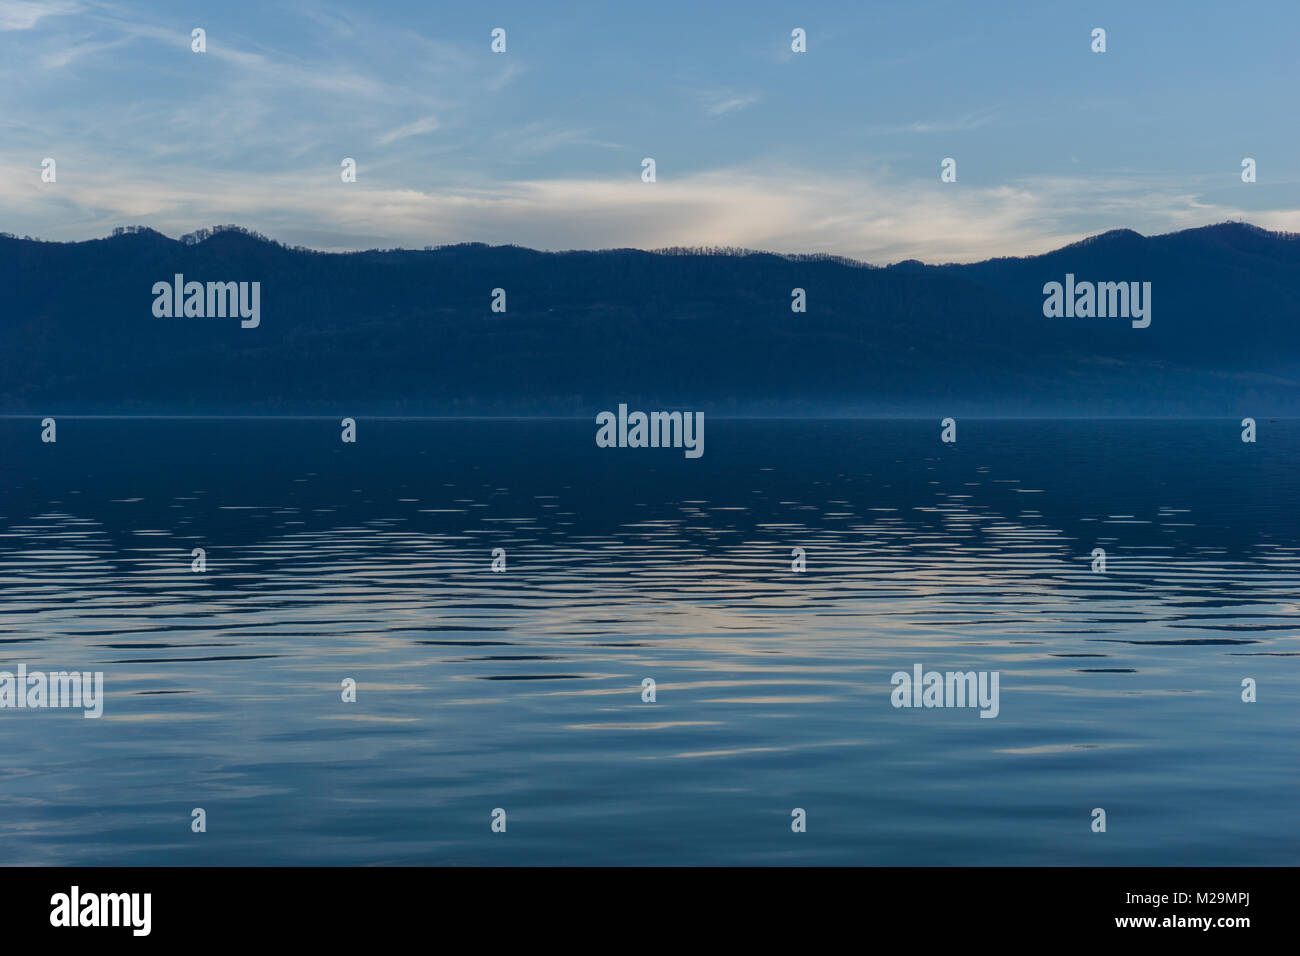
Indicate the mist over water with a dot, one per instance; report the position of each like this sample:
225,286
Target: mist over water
522,689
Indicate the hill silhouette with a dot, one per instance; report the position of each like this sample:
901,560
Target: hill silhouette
412,332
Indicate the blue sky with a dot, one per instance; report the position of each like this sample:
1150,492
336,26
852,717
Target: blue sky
834,150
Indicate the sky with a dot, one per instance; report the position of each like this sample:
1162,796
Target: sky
834,150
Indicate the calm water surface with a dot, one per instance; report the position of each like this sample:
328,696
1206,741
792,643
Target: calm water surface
522,690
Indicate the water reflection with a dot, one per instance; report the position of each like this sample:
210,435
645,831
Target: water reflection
522,689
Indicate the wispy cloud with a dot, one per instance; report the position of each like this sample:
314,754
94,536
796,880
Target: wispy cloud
718,103
64,55
835,153
539,137
970,121
418,127
25,14
790,211
503,77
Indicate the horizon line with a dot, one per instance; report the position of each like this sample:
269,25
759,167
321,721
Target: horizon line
206,233
583,418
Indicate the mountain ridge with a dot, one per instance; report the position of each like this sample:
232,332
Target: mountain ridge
413,332
1226,228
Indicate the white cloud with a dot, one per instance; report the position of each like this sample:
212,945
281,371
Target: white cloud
25,14
58,59
719,103
508,73
418,127
789,211
961,124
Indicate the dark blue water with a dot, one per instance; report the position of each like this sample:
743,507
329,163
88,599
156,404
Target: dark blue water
522,690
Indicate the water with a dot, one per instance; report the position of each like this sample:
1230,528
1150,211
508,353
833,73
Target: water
522,690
